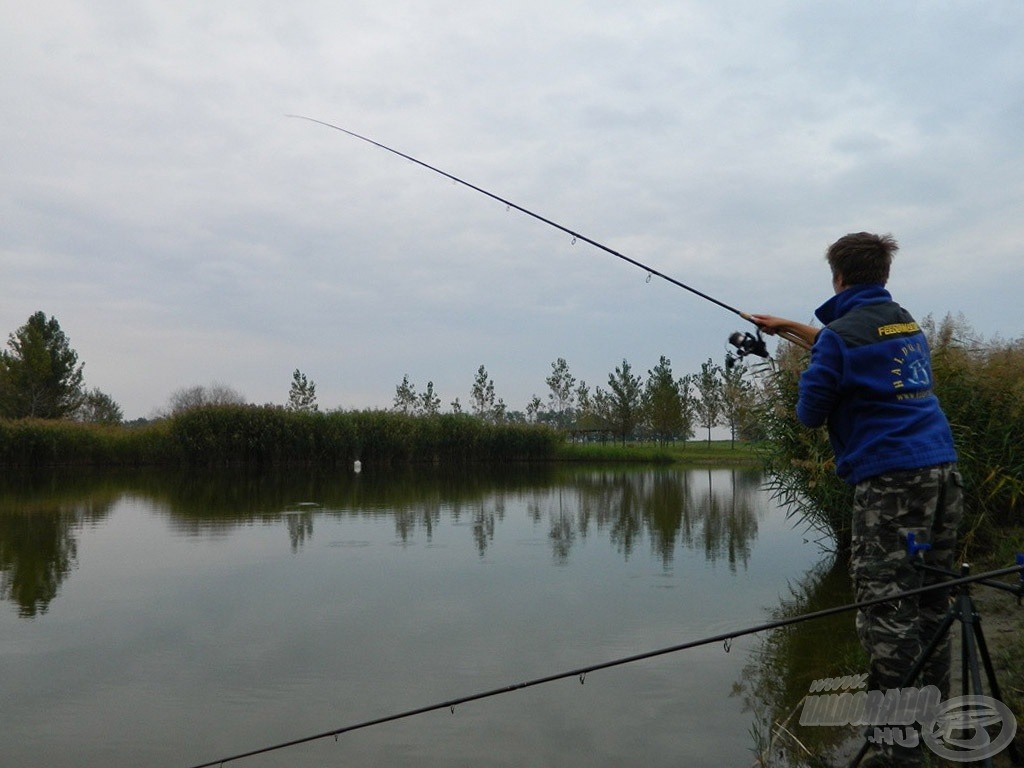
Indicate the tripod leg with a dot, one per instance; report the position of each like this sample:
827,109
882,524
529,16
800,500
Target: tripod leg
933,644
970,626
971,675
993,685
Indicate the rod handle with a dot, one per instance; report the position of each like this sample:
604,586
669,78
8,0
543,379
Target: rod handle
795,339
790,336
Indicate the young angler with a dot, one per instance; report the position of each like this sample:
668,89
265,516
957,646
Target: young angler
869,379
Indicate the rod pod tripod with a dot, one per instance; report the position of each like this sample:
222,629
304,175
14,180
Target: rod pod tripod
973,647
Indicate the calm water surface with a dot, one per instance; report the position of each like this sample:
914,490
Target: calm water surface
161,620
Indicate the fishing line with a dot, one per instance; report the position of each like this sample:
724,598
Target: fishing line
725,638
573,233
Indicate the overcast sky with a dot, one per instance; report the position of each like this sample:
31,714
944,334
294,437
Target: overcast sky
157,201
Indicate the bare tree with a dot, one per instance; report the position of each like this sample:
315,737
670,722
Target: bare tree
198,396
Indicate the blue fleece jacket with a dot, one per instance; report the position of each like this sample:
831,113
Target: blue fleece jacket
870,380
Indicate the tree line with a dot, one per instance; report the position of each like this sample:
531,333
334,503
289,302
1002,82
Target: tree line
660,406
41,377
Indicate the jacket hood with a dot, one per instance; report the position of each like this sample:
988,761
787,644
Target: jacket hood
854,296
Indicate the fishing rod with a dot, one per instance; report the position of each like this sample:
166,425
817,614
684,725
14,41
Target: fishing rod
726,638
745,343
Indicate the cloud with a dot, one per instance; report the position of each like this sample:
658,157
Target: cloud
182,229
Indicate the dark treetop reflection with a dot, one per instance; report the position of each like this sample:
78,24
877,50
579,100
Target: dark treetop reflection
38,548
666,508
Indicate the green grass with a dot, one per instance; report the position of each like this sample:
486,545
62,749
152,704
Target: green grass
719,452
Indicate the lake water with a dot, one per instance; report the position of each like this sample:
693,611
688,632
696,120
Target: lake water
173,620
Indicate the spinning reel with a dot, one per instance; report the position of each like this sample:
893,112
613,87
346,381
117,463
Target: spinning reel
746,344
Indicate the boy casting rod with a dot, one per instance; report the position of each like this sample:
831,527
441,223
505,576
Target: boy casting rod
755,348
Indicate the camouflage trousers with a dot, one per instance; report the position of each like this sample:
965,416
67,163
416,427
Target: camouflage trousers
929,503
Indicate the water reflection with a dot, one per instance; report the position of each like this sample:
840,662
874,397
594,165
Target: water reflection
38,548
300,523
666,507
714,512
788,660
246,609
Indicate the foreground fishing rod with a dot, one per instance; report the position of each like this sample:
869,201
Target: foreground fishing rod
745,343
726,638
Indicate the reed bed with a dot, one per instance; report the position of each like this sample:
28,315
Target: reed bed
45,443
239,435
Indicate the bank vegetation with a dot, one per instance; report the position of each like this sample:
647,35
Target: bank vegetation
263,436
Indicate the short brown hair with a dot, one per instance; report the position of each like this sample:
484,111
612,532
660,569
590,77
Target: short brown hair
862,258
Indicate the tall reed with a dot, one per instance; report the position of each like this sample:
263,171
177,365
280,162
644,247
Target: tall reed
42,443
799,464
981,387
240,435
